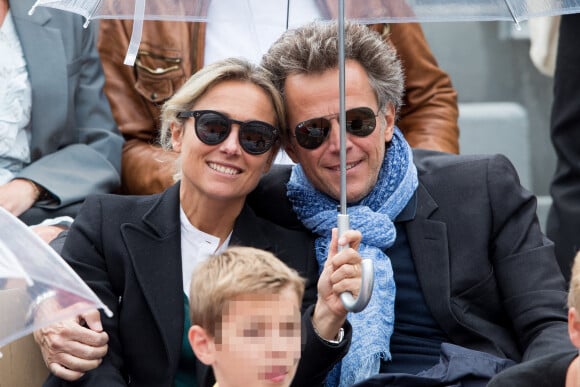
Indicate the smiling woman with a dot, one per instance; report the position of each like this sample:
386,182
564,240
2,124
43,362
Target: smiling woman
217,165
223,124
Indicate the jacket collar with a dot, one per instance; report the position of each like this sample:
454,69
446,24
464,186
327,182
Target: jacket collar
154,245
163,216
429,248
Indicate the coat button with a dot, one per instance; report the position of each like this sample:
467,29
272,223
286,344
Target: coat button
153,96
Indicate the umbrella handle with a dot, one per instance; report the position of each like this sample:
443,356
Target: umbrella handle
367,277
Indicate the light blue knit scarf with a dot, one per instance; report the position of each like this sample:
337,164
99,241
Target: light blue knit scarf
372,216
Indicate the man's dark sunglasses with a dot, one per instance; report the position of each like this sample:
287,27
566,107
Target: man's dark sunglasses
310,134
212,128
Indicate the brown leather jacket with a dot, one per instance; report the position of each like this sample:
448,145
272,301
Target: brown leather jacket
166,60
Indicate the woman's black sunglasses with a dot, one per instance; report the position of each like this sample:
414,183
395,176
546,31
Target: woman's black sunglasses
211,127
310,134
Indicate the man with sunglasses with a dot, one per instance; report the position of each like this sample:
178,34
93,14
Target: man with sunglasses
465,282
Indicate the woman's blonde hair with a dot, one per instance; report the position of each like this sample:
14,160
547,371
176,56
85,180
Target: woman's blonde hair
203,80
236,271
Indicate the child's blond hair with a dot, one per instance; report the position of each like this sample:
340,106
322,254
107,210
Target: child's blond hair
236,271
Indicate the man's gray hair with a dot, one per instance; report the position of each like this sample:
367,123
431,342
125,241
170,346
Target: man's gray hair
313,49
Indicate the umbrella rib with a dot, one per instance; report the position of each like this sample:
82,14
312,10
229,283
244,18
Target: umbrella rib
511,11
136,33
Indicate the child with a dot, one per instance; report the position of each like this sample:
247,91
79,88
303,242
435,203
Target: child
245,317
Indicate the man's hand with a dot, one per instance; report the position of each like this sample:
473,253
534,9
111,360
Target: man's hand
72,347
18,195
342,272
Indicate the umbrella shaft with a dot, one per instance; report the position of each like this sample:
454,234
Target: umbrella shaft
342,104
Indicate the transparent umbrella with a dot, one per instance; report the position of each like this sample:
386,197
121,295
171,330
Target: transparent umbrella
37,287
292,14
364,11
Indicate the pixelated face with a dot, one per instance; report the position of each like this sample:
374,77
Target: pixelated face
260,340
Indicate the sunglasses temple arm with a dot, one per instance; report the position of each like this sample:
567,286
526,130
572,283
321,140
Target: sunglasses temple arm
367,277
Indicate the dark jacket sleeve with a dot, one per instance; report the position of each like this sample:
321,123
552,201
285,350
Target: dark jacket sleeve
318,356
531,285
269,200
547,371
83,252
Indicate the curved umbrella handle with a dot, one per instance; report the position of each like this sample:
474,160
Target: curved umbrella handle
366,289
367,277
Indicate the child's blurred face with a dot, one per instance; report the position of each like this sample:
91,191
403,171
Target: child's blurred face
260,340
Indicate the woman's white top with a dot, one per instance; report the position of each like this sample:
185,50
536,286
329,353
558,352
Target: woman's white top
15,103
196,247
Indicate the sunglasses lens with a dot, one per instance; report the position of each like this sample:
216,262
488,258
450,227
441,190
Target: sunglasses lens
257,137
360,121
311,133
211,128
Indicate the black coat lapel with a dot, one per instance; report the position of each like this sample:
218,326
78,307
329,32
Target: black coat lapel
155,249
429,248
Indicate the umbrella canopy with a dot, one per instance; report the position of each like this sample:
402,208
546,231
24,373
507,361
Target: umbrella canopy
37,287
291,13
363,11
